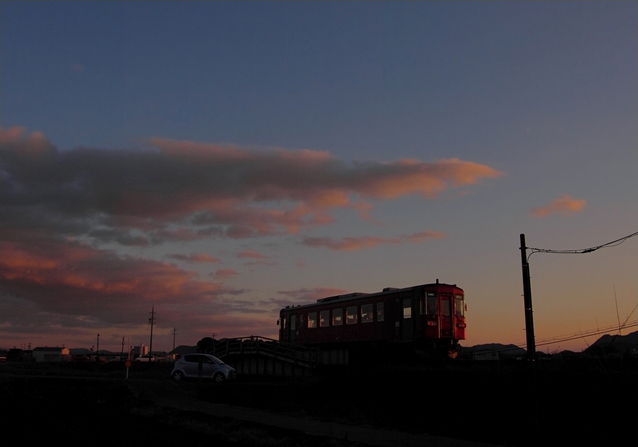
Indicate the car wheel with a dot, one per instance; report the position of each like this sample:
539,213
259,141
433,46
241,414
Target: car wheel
178,376
218,377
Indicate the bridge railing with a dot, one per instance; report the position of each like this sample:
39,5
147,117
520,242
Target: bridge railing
257,345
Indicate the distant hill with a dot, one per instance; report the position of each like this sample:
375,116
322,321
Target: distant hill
614,344
605,345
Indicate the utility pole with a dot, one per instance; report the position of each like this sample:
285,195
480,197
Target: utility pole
151,321
527,298
97,352
174,333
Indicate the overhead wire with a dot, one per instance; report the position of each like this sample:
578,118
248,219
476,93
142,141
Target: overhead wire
583,250
570,337
590,333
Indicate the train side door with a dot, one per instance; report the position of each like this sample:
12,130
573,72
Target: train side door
407,323
446,314
292,335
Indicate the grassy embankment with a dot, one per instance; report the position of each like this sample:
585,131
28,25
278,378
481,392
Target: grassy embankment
582,403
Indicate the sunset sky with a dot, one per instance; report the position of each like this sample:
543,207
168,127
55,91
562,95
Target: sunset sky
220,160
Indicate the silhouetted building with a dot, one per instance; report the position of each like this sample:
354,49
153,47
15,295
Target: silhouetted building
51,354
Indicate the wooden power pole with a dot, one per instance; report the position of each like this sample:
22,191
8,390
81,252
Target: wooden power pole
527,298
151,321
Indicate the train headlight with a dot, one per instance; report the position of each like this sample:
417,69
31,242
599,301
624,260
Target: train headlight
431,323
460,325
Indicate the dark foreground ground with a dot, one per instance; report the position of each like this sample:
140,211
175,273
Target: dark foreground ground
589,403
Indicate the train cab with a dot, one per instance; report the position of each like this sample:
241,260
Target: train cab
442,313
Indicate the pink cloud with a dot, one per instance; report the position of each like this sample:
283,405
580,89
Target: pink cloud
22,151
207,190
565,205
69,291
75,279
257,258
195,258
395,179
226,273
252,254
363,242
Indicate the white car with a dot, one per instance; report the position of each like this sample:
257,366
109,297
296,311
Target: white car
145,358
203,366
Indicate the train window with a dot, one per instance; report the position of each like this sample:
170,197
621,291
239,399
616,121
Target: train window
380,314
283,322
324,318
312,320
337,317
432,304
293,322
407,308
366,313
351,315
459,307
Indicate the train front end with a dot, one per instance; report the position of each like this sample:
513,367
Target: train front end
443,317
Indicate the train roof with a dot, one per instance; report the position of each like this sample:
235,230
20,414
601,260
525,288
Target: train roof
359,295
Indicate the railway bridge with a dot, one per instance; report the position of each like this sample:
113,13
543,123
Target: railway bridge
258,355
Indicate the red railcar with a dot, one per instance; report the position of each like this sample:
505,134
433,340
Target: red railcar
429,316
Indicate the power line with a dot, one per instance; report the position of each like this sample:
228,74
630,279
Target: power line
583,250
589,333
592,332
575,336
